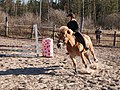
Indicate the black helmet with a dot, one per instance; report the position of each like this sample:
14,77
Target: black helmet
71,15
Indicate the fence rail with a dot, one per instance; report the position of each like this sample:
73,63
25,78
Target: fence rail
108,38
18,46
26,31
24,48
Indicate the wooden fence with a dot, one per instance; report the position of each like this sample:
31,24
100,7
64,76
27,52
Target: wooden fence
17,31
109,38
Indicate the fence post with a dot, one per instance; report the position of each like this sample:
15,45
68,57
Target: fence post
54,28
114,42
87,32
31,36
36,38
6,26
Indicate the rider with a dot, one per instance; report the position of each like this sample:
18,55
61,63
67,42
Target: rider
73,25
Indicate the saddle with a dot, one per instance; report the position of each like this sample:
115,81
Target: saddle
80,39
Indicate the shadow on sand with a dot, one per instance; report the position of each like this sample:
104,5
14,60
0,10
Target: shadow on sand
30,71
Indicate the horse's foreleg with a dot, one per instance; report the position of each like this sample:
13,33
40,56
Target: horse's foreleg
74,63
86,55
83,59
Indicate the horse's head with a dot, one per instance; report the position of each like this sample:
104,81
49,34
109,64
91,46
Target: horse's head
64,34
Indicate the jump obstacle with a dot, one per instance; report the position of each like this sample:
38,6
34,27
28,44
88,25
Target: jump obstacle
18,48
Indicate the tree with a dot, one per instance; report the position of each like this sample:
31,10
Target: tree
7,6
18,8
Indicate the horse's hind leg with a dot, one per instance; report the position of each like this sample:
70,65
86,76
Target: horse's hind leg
86,55
92,52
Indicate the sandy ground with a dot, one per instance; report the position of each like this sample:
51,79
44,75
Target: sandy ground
57,73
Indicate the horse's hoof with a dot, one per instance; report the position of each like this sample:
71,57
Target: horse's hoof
85,66
96,61
90,62
75,71
67,53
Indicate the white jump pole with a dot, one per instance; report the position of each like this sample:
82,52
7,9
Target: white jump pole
20,50
36,38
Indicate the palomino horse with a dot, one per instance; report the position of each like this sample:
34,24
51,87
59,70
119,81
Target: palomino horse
75,48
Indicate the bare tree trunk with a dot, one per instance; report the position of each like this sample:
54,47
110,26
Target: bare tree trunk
82,18
94,12
40,10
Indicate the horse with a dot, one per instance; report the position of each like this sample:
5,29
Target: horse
75,48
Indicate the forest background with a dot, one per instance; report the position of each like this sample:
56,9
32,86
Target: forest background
104,13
